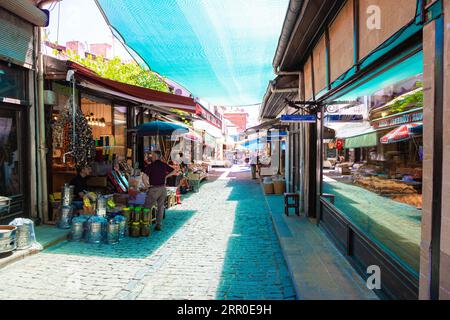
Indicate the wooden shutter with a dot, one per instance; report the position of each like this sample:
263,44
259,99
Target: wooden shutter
341,42
394,15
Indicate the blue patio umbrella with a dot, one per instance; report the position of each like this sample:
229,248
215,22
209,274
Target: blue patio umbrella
160,128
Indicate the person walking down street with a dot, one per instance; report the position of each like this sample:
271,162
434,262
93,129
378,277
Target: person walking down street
158,172
254,165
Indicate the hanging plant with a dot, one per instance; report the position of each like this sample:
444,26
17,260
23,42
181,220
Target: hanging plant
414,99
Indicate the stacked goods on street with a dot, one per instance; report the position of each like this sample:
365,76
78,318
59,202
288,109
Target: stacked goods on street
384,186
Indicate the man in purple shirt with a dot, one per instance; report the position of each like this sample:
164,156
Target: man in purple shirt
157,173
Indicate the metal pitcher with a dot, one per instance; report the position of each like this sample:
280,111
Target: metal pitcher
24,233
67,195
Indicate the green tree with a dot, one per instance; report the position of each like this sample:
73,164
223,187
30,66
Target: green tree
115,69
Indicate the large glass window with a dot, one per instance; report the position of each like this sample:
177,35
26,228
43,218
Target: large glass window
11,162
372,158
12,82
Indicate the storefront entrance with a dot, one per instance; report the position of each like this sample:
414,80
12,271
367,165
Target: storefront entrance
14,179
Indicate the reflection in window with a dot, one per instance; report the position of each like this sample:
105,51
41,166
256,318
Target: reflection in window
12,82
10,154
373,167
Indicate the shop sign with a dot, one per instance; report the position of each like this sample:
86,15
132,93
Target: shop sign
345,118
298,118
398,120
12,101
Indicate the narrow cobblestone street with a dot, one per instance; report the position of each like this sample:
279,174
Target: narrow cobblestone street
219,244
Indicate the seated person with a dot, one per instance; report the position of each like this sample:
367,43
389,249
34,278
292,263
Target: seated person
80,186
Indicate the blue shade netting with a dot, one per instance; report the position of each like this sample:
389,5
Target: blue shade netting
220,50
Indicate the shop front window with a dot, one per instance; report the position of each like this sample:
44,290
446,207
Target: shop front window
11,164
372,159
12,82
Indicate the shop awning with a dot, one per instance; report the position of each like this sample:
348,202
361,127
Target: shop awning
362,141
148,96
193,136
402,133
221,50
267,125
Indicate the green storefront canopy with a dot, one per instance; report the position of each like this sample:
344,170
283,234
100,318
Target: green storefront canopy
362,141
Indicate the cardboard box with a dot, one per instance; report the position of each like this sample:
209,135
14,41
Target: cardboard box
97,182
279,187
268,188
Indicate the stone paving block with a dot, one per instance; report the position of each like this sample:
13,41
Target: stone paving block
220,243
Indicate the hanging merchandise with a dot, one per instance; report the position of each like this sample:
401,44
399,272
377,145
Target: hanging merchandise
82,150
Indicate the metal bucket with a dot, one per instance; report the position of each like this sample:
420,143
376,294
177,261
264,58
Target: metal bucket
112,233
123,226
67,195
78,228
95,229
7,238
24,236
65,217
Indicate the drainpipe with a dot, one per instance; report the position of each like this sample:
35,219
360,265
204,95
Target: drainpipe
42,150
290,20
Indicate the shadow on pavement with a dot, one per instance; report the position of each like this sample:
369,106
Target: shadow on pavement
254,267
135,248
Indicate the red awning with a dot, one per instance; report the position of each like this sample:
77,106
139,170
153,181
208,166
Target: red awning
400,134
152,96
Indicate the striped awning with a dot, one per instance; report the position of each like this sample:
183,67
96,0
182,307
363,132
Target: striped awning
402,133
